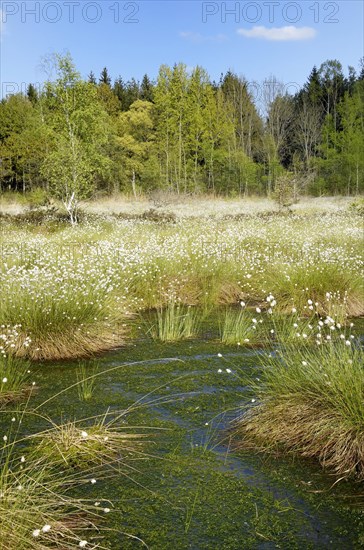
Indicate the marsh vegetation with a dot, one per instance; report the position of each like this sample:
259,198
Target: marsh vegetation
154,367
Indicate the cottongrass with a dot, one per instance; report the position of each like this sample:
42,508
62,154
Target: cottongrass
49,480
15,381
64,321
239,327
333,288
14,372
310,401
72,290
44,478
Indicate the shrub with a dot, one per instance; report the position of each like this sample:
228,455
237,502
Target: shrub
158,216
284,192
358,206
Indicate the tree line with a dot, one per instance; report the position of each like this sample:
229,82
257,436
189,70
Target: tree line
183,133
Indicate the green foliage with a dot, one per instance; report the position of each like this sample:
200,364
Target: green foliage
85,380
175,322
197,136
183,134
284,191
24,137
135,143
36,198
342,164
358,206
237,328
75,116
311,401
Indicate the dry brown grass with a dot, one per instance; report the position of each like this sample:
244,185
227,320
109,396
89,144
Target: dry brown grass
72,345
230,293
205,206
15,395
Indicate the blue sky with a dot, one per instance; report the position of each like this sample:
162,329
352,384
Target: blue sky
255,39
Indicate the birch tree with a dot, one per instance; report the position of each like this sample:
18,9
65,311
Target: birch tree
80,126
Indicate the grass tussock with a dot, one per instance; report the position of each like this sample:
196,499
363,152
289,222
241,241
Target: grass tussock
239,327
84,343
310,401
86,380
80,446
37,511
70,288
64,318
175,322
50,495
334,288
15,383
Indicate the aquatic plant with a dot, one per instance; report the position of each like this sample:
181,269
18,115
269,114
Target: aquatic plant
14,372
43,475
239,327
85,380
175,322
36,507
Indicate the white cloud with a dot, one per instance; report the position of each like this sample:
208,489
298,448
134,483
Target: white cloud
279,33
198,37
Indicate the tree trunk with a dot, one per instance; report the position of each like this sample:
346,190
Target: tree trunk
133,185
71,207
357,179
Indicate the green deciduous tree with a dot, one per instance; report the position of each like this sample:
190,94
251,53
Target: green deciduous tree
24,140
182,133
351,139
135,140
80,124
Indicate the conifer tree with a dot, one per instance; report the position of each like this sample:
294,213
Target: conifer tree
92,78
146,89
104,77
32,94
